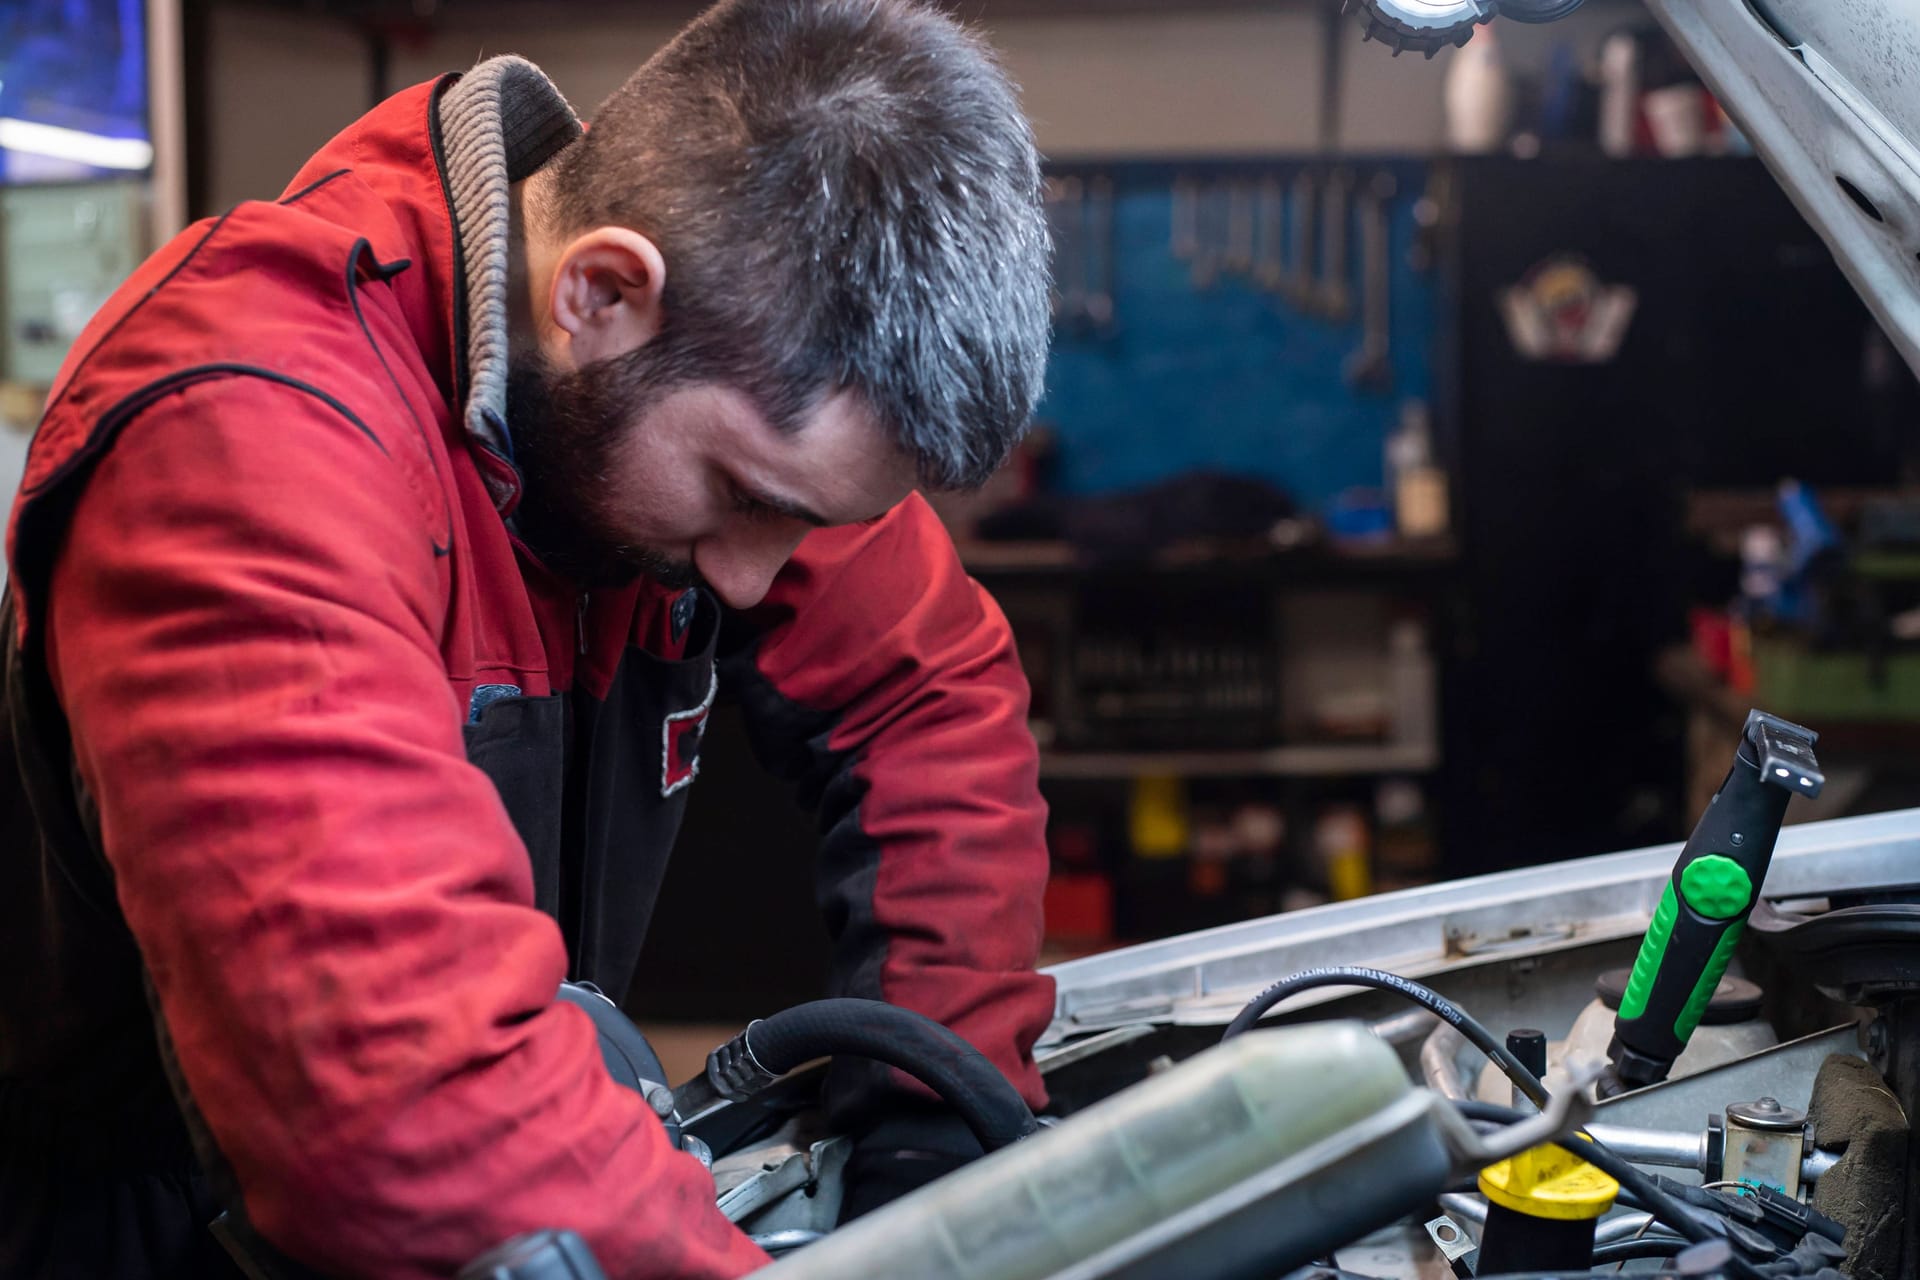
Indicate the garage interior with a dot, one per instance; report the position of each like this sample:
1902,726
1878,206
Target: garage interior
1439,457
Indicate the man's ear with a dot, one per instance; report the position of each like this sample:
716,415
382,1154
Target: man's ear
605,299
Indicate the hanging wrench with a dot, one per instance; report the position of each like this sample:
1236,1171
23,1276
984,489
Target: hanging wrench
1239,243
1185,215
1209,233
1098,260
1063,199
1371,364
1298,285
1190,232
1269,253
1335,292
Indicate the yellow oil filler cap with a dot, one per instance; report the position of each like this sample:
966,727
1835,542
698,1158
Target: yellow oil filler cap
1549,1181
1542,1206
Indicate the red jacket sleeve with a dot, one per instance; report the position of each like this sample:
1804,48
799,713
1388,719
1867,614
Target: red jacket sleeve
333,906
885,679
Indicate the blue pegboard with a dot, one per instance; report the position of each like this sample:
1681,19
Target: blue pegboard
1230,377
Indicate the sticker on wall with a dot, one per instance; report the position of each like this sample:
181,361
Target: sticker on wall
1561,312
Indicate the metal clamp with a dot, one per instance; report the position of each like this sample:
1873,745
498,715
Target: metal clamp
733,1070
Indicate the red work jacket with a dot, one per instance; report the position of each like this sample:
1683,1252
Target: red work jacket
325,777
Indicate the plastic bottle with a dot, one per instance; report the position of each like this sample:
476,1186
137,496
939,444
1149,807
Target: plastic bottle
1341,842
1410,685
1478,95
1620,94
1418,486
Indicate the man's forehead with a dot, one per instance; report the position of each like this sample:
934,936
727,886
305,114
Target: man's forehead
837,465
845,423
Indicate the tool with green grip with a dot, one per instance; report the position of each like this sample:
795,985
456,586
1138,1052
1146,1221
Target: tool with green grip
1704,907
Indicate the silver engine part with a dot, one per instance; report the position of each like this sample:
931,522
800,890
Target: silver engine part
1248,1159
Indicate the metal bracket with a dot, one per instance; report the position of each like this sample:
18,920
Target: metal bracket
1472,1151
1450,1238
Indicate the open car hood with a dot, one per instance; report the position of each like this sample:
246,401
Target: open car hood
1829,93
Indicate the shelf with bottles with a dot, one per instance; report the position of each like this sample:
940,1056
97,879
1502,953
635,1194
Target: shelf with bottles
1622,89
1181,853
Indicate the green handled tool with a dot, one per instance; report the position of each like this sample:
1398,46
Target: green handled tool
1705,905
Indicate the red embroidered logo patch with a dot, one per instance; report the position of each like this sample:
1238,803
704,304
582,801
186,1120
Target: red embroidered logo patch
680,736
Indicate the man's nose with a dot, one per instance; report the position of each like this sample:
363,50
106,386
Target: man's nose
741,563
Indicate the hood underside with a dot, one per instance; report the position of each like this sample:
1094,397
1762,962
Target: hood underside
1829,93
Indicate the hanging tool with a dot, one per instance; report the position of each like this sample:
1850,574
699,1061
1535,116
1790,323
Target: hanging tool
1239,242
1080,216
1372,365
1297,284
1209,234
1098,259
1705,905
1334,293
1269,253
1429,208
1184,219
1063,201
1190,244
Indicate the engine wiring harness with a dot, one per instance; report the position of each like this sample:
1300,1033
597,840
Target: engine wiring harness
1739,1233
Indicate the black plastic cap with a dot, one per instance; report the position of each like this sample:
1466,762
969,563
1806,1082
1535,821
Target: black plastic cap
1530,1046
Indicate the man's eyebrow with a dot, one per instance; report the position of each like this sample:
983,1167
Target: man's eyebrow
788,508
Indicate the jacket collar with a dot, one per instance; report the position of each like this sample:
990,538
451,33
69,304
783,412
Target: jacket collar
497,124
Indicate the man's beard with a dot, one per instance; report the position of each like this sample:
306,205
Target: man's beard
568,428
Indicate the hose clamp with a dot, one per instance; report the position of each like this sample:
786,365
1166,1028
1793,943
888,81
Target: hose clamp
733,1070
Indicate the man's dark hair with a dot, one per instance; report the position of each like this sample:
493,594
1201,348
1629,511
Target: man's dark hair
847,196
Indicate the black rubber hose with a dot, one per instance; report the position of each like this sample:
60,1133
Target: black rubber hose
1659,1245
1664,1207
916,1044
1443,1008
